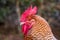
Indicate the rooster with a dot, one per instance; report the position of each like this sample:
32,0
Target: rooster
35,27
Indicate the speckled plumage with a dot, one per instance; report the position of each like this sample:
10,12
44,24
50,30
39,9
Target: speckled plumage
40,30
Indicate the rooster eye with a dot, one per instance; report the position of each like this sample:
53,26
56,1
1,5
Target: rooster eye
29,18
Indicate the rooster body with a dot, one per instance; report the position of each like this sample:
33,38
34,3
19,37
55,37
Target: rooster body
35,27
40,30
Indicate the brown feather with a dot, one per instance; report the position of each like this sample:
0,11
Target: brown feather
40,30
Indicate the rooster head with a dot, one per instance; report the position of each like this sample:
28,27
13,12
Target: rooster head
26,19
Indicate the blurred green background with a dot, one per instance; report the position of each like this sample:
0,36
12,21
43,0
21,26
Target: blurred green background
10,11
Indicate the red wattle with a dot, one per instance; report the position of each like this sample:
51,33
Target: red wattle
25,28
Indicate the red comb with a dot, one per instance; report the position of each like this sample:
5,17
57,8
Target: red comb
27,12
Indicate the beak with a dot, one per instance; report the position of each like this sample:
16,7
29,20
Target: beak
21,23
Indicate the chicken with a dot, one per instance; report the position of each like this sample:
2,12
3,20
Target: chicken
35,27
